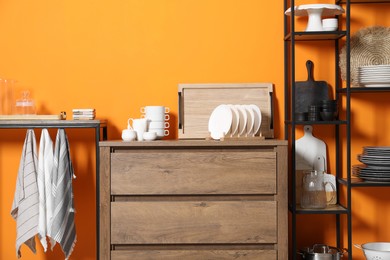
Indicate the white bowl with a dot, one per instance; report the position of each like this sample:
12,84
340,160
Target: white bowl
330,24
330,28
150,136
376,250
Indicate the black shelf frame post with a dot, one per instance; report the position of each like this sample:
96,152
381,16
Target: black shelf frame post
348,115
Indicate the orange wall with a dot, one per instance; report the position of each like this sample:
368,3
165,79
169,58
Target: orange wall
118,56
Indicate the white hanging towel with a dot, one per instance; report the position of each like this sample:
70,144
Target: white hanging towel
63,230
45,168
25,206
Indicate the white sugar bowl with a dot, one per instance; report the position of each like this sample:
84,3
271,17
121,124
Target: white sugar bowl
129,135
330,24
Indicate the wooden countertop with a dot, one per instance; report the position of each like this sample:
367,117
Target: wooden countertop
194,143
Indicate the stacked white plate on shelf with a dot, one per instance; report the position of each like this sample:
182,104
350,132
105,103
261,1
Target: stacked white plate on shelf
229,120
374,76
375,164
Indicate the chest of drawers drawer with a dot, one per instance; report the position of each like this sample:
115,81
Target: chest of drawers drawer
193,222
186,172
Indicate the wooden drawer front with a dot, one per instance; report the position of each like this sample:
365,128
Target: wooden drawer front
194,254
182,222
193,172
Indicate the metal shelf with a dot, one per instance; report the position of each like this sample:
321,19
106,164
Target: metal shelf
365,1
330,209
357,182
334,122
95,124
33,123
362,89
315,36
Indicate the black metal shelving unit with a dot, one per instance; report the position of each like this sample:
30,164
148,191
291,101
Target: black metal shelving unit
100,127
291,38
348,91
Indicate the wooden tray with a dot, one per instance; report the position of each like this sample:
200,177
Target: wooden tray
33,117
197,101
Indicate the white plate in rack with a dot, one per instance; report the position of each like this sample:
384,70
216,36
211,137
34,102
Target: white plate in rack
235,121
243,120
257,123
250,120
220,121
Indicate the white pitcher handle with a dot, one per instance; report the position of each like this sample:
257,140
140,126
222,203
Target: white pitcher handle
128,123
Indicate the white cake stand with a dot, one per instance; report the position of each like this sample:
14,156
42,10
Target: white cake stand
315,13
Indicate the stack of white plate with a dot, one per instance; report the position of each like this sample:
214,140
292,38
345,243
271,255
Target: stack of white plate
374,76
235,121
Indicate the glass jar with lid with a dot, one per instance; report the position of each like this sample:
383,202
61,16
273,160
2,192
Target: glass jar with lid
25,105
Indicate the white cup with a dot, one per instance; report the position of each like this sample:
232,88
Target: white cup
140,126
155,113
158,124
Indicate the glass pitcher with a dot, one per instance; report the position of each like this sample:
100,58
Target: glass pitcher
313,190
6,96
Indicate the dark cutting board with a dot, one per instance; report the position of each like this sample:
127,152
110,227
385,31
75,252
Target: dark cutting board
309,92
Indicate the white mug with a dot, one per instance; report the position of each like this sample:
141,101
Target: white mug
155,117
158,124
155,113
155,109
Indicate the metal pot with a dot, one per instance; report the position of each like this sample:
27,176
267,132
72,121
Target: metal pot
322,252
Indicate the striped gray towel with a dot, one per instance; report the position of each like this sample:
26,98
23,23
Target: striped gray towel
45,167
25,206
63,230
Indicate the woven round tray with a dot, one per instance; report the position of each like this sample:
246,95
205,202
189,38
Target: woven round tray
369,46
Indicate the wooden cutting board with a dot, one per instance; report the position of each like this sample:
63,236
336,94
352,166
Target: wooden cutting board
310,154
197,102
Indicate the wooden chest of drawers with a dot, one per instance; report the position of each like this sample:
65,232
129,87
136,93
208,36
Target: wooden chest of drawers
191,199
